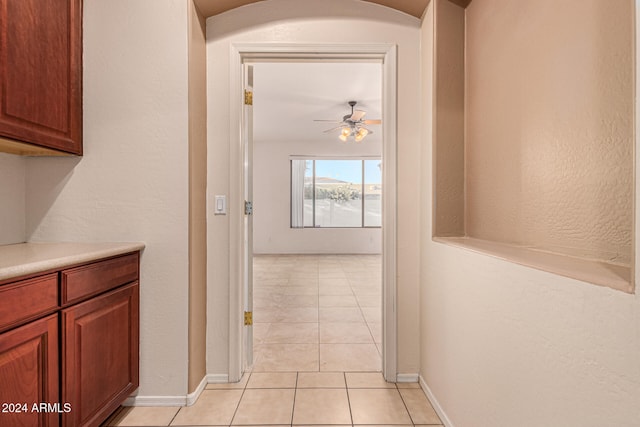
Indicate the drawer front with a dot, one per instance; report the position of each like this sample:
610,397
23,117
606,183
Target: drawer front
27,299
91,279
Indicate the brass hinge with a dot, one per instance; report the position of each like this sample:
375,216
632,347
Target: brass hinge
248,97
248,318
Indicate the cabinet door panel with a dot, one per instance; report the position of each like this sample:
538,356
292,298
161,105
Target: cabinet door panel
29,374
40,72
99,355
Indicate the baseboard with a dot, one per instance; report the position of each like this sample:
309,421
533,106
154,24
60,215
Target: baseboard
217,378
155,401
407,378
187,400
434,402
193,397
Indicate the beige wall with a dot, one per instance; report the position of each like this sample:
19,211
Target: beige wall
197,198
549,125
330,21
506,345
132,184
12,199
449,202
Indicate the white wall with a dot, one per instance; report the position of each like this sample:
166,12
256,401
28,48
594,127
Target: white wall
272,233
329,21
132,183
12,199
507,345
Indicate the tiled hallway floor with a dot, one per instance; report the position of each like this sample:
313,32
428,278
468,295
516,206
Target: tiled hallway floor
317,313
292,399
317,341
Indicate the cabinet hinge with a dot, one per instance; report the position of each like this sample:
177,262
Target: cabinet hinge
248,97
248,318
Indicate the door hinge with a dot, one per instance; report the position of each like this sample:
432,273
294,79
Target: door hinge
248,97
248,208
248,318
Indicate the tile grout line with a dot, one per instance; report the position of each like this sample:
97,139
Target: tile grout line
346,386
295,394
244,389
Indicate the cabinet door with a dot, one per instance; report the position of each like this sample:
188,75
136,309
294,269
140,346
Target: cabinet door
99,355
41,73
29,375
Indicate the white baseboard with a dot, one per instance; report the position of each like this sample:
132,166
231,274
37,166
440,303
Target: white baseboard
155,401
217,378
407,378
193,397
436,405
187,400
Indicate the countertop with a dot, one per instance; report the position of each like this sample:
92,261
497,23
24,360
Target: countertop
22,259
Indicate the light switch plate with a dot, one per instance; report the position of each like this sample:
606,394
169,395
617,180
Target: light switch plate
220,205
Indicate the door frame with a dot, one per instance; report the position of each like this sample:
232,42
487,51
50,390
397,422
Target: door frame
387,54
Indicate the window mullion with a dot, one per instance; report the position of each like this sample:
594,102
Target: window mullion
314,194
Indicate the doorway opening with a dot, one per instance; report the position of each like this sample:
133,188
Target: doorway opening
304,267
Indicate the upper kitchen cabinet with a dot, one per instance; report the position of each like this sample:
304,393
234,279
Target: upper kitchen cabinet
41,77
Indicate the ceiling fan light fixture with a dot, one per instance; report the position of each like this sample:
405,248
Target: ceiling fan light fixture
359,136
342,138
346,132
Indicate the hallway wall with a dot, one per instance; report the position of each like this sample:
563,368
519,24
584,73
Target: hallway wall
132,182
506,345
13,206
331,21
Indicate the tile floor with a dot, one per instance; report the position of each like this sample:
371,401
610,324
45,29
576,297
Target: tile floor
317,336
317,313
295,399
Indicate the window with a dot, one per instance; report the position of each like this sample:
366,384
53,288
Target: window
336,193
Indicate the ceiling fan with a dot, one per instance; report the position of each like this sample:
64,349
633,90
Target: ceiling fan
352,125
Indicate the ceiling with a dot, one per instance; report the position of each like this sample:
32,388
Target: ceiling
287,97
213,7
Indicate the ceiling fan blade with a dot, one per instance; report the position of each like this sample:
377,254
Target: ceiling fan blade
357,115
329,121
331,130
372,122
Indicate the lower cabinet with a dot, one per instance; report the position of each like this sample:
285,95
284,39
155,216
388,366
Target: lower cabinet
99,355
29,375
69,344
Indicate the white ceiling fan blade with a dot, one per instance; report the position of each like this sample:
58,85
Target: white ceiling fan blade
357,115
331,130
372,122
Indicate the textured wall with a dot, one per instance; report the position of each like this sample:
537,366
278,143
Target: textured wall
504,345
197,198
132,182
12,199
448,131
550,126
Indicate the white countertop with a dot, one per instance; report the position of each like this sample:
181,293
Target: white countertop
28,258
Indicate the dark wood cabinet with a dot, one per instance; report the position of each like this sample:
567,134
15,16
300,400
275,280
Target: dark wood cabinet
29,374
69,340
99,355
41,76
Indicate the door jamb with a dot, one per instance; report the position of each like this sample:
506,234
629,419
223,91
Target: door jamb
387,53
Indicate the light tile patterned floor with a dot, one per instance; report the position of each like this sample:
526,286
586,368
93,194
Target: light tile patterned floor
317,313
317,340
295,399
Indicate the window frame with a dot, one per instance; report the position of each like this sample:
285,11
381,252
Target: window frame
313,159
